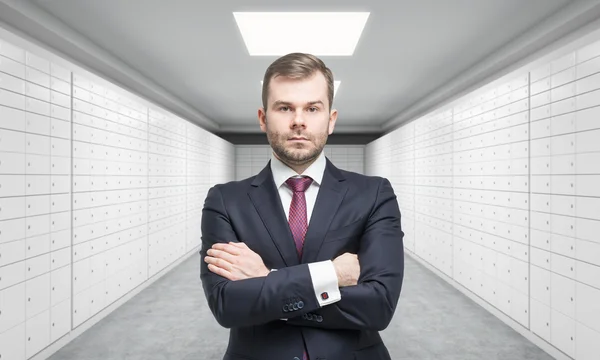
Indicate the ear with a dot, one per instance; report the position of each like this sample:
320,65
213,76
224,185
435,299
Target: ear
262,119
332,120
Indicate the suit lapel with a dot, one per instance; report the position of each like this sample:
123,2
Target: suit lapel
332,190
265,197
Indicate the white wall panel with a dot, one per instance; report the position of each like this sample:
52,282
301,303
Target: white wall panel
501,188
222,160
251,159
197,183
35,236
100,190
167,190
110,195
433,174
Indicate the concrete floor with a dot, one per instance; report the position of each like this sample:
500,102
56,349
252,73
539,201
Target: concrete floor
171,321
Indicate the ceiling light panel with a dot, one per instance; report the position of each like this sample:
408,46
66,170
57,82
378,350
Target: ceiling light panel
317,33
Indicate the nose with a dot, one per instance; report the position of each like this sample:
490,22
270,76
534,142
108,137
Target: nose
298,119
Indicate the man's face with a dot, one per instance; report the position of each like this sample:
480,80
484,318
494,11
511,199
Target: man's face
297,120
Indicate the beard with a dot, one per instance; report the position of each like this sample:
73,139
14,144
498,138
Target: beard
300,153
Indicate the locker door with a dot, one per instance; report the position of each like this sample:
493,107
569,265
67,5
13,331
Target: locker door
12,274
81,274
60,317
37,124
12,343
563,295
37,225
60,282
59,259
12,303
37,64
12,163
98,297
38,295
37,92
563,332
587,345
37,185
60,129
37,106
519,307
12,99
12,185
540,320
37,205
38,333
60,86
60,99
60,240
60,184
587,306
12,252
60,203
37,245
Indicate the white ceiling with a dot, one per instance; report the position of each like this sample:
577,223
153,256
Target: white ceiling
194,51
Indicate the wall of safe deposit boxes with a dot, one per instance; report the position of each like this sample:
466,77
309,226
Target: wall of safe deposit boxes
99,190
499,191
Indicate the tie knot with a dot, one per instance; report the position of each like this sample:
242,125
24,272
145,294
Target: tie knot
299,184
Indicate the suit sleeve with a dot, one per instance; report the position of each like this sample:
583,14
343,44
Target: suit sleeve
324,281
372,302
284,293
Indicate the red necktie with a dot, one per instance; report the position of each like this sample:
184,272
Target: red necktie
298,219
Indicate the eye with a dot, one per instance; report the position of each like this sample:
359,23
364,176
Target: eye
284,108
313,109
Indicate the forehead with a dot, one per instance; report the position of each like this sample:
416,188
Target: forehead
306,90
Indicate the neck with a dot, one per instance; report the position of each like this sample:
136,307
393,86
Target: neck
298,168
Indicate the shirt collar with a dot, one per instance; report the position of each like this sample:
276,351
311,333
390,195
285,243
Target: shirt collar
282,172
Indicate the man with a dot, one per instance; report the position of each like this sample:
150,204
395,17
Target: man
303,260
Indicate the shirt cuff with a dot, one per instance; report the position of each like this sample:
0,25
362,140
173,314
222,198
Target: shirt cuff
325,282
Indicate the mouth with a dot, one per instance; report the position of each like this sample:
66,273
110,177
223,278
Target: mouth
298,139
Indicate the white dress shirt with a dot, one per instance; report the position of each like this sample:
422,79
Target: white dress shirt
322,273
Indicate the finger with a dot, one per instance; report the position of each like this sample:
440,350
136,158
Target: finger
234,250
218,262
220,271
241,245
222,255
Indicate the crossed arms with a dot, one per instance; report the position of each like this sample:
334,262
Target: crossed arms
370,304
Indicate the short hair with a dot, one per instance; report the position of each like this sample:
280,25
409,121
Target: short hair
297,66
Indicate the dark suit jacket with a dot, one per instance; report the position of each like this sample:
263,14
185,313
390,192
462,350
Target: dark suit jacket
353,213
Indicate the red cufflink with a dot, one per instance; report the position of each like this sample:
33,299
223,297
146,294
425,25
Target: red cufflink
324,296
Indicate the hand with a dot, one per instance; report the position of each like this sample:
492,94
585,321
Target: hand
347,269
235,261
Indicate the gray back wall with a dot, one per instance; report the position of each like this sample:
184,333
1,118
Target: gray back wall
334,139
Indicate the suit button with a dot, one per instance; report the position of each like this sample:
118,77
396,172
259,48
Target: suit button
296,358
305,317
309,316
285,308
319,318
300,304
295,306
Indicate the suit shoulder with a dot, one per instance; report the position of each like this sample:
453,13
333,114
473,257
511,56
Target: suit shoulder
233,186
364,180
